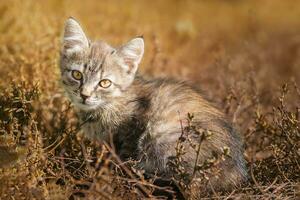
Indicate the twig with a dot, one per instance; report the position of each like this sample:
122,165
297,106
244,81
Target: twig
254,179
128,172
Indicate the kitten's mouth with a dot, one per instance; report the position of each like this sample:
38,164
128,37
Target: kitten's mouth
84,105
84,102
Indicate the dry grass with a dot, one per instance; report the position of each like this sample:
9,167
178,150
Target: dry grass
244,54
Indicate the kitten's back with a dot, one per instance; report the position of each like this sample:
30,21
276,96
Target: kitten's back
168,103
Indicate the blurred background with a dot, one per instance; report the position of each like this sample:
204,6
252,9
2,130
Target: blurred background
243,54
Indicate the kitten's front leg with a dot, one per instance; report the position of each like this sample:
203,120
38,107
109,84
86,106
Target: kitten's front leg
94,131
154,152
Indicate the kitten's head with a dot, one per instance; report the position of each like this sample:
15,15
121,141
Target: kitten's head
94,73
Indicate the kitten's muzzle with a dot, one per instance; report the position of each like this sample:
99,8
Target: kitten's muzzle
85,93
84,97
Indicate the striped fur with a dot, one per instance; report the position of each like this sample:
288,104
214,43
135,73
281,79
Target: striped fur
142,116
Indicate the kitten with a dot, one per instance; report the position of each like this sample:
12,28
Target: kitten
143,116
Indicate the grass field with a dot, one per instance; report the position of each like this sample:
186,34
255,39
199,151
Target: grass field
245,55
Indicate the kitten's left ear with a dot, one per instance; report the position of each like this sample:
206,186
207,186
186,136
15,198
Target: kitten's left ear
132,53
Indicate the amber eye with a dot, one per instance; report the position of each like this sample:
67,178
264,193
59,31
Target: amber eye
77,75
105,83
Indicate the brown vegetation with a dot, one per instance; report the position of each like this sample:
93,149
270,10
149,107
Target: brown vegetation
244,54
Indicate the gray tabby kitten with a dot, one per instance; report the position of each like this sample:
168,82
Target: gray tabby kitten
143,116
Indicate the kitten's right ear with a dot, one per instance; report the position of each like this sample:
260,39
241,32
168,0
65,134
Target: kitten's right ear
74,39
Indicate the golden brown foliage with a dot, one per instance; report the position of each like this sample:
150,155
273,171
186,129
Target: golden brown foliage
244,54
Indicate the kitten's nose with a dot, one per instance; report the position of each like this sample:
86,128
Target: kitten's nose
85,93
84,97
